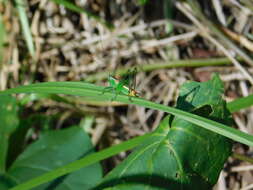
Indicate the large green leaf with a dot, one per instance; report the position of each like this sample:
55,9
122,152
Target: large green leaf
18,139
179,154
55,149
8,123
6,182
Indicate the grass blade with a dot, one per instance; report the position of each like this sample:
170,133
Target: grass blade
240,103
87,160
25,26
86,89
90,90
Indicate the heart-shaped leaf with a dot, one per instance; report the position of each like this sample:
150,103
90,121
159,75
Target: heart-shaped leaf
179,154
55,149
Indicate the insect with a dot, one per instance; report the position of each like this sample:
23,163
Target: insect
125,85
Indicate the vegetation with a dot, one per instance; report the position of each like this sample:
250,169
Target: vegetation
63,127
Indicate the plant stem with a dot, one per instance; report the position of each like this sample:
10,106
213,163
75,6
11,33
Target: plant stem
162,65
242,158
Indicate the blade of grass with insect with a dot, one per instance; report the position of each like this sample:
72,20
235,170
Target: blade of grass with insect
86,89
20,5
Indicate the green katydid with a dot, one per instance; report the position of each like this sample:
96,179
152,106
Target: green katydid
126,85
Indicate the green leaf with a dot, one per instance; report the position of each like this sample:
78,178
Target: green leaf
6,182
84,162
17,141
179,154
55,149
8,123
25,129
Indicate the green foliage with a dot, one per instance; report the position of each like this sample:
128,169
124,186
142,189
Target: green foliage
142,2
9,123
84,162
6,182
55,149
241,103
96,92
179,154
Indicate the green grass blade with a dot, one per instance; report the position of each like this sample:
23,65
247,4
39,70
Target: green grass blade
86,89
142,2
77,9
240,103
25,26
87,160
168,10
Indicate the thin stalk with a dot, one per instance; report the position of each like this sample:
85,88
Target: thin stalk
163,65
25,26
242,158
